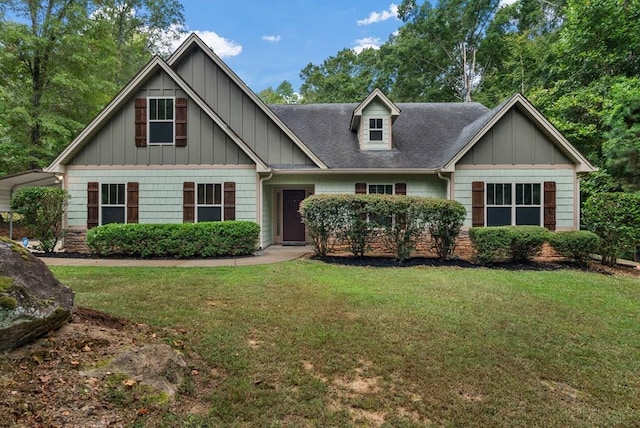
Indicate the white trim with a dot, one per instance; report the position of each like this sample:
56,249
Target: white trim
582,164
376,93
214,205
514,203
172,121
516,166
193,39
101,205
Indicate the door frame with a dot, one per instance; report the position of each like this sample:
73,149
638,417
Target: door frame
277,219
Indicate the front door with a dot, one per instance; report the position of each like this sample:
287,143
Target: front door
292,227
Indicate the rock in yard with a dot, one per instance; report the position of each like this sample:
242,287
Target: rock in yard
32,301
158,366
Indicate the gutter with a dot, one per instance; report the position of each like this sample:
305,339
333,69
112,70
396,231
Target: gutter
357,171
448,180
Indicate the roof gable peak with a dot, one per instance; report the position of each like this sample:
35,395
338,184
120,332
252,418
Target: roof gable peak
376,94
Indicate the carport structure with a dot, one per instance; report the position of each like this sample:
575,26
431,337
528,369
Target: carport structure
10,183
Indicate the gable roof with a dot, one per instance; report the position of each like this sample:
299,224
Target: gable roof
473,132
422,134
194,41
375,94
125,95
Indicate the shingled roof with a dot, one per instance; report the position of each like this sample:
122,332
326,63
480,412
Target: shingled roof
425,135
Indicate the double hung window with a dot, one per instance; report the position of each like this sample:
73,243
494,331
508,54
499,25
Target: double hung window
113,207
161,121
375,129
209,202
514,204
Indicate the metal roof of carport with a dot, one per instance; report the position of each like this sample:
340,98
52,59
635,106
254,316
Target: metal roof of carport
12,182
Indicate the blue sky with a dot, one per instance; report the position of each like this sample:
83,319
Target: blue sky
268,41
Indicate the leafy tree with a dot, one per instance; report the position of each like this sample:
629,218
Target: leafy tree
346,77
42,209
283,94
62,60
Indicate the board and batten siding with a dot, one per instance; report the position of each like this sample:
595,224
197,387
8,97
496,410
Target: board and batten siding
515,140
239,111
160,191
563,177
207,143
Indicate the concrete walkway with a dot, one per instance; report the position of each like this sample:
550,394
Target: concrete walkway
272,254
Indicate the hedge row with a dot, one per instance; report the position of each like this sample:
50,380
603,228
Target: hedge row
211,239
520,243
398,221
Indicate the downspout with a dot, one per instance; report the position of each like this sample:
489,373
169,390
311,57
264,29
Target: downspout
261,190
448,180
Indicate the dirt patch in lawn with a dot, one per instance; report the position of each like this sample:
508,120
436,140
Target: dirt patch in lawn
41,385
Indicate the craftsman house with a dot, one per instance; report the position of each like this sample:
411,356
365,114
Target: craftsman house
187,141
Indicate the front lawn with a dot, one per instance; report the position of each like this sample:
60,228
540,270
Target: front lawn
307,343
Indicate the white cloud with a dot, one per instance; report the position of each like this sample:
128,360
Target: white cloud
222,47
506,2
375,17
367,42
273,39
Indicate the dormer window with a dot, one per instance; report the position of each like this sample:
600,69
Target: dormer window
375,129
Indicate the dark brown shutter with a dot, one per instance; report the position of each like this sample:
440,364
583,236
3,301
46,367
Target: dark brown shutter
229,201
401,189
141,122
188,202
361,188
93,204
550,205
132,202
181,122
477,203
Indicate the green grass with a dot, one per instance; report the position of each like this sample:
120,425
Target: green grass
306,343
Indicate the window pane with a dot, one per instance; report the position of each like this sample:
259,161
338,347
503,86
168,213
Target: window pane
161,109
161,132
208,194
379,123
168,114
105,194
372,123
499,216
200,194
153,109
491,194
121,193
209,214
507,194
218,194
535,198
113,194
528,216
519,194
375,135
499,194
388,189
112,215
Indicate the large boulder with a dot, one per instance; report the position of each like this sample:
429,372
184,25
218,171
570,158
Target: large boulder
32,301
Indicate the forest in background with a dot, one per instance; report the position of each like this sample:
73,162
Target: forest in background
578,61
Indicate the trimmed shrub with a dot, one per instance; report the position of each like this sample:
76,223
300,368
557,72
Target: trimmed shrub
490,244
444,221
209,239
615,218
526,242
575,245
401,220
42,209
517,243
324,216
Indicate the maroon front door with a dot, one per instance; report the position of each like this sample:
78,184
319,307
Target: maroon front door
292,226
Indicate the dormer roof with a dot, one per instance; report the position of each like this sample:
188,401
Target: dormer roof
378,95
